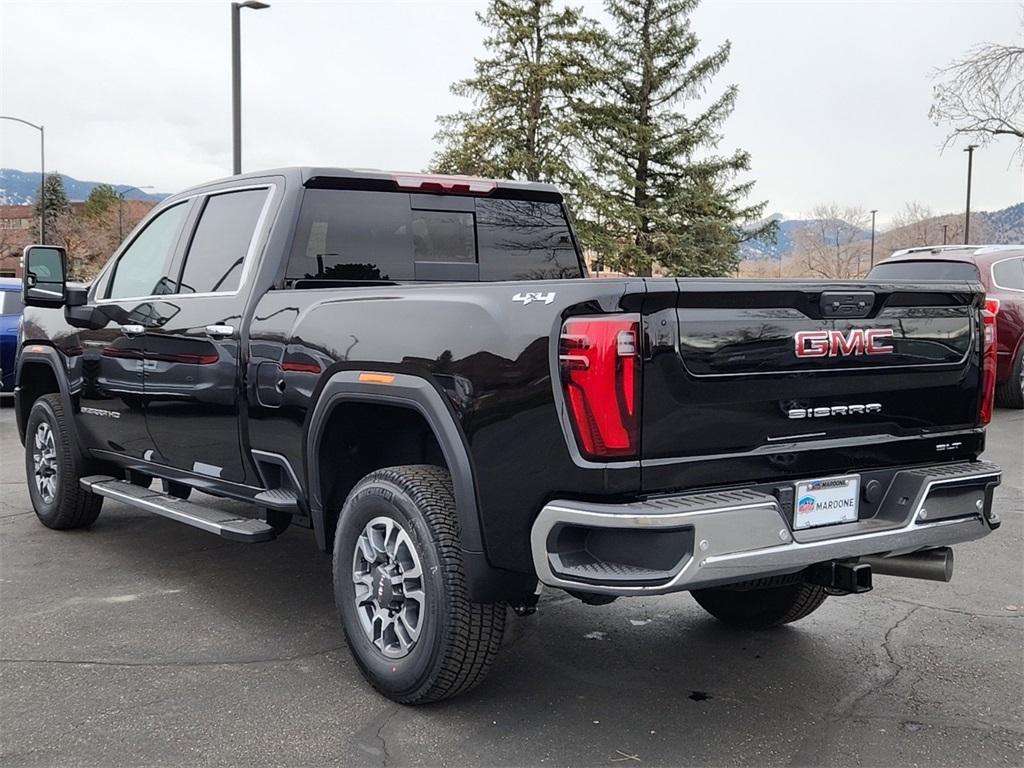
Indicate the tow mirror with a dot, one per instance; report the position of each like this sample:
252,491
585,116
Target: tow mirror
45,280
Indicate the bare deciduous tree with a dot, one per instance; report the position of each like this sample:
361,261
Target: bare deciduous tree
833,245
981,96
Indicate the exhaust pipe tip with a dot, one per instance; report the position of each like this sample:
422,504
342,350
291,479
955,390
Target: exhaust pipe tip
929,564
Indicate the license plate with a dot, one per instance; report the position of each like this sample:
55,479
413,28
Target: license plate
826,501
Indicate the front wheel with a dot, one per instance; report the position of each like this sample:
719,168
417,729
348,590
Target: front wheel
53,466
400,588
761,608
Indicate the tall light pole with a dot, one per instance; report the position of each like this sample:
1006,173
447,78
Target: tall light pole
970,161
236,80
873,212
42,173
944,228
120,207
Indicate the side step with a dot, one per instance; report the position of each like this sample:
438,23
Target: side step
280,499
226,524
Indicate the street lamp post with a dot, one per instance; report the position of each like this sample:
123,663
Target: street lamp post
42,173
120,207
873,212
236,80
944,228
970,161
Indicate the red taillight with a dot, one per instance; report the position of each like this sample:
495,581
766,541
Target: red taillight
988,360
600,369
463,185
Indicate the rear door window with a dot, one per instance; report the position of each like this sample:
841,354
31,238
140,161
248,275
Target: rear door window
221,241
925,270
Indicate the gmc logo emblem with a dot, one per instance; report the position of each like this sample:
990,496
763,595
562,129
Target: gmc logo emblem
839,344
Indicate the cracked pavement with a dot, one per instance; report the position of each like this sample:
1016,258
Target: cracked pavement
143,642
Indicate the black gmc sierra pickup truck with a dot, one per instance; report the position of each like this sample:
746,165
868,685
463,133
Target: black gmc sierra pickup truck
418,369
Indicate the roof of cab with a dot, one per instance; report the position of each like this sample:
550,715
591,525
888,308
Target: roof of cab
306,174
10,284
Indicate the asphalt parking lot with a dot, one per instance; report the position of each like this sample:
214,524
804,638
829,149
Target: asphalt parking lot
144,642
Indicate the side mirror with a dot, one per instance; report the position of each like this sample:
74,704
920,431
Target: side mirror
45,276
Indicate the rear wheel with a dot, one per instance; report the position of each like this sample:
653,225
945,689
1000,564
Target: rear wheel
54,466
400,588
1010,394
761,608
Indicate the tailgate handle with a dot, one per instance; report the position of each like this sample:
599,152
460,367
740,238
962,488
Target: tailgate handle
847,303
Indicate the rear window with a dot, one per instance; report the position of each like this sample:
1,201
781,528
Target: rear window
925,270
357,236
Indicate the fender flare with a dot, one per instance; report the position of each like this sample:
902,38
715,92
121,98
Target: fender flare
46,355
405,391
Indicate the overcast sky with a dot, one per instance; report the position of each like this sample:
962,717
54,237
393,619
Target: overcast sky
833,100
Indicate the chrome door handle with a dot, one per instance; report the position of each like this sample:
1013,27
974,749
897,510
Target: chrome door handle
132,330
220,331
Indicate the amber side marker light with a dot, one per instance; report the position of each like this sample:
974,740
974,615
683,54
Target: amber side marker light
376,378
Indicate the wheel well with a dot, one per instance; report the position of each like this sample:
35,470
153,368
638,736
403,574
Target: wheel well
36,380
360,438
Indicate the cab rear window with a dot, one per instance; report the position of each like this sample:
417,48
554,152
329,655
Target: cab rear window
925,270
360,236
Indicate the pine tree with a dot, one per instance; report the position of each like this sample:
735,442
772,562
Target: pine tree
662,193
523,123
100,201
57,205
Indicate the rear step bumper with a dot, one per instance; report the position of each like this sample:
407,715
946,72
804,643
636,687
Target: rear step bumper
226,524
672,544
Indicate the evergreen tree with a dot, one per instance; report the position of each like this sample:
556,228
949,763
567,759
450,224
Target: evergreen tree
57,205
523,123
662,193
101,200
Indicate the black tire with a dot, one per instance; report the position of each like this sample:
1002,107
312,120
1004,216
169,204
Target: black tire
761,608
1010,394
457,639
65,504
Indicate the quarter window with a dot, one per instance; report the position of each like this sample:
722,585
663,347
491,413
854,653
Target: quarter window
1009,274
142,268
221,241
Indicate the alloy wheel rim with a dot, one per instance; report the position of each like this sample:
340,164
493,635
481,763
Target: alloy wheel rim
44,460
389,592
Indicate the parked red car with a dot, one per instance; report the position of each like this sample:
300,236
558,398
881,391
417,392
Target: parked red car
1000,268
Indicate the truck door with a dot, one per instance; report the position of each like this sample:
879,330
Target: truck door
193,378
111,417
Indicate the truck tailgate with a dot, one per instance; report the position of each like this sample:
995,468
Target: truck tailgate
755,368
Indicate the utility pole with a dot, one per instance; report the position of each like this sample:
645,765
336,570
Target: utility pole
967,222
944,228
873,212
236,81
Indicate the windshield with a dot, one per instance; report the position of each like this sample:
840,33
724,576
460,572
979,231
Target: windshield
925,270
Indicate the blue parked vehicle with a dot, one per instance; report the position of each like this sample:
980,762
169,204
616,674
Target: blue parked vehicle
10,318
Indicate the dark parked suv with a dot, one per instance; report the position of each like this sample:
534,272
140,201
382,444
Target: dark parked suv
1000,268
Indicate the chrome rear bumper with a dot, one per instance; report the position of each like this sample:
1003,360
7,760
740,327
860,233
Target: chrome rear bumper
678,543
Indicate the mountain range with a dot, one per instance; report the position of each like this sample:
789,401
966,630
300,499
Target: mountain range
1004,226
20,187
